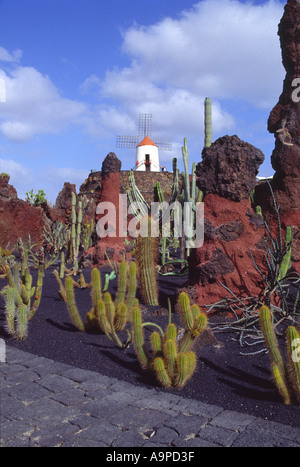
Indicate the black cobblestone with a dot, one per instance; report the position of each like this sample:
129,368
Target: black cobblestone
49,404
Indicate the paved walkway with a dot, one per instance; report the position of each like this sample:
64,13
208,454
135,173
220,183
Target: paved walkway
50,404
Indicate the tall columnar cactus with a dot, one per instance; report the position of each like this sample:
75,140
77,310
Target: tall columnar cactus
286,375
146,257
207,122
76,229
105,315
171,358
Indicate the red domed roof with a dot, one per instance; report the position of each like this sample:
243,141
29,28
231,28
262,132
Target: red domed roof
146,142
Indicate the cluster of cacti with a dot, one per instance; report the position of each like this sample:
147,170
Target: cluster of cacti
105,314
171,357
21,298
285,374
146,258
6,259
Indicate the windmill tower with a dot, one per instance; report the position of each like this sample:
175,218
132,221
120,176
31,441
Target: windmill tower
147,156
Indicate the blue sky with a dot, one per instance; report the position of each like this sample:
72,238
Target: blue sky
79,72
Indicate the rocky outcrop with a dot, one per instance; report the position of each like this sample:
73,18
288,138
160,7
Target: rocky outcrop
18,218
111,245
110,165
231,231
62,210
284,123
229,168
284,120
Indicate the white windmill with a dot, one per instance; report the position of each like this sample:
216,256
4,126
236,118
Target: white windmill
147,156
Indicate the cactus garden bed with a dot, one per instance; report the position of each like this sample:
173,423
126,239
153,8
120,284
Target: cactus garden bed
224,376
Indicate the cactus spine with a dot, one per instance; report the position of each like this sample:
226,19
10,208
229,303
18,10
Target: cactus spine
172,360
10,308
76,229
72,307
146,255
138,337
286,375
193,320
106,315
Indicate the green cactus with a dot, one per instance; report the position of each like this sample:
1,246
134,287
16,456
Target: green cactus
293,350
105,315
22,322
10,308
160,370
23,294
286,375
76,230
146,257
71,304
286,261
194,322
271,340
138,337
207,122
156,344
258,211
171,360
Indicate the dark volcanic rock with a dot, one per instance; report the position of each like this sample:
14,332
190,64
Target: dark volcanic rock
284,120
111,164
62,210
230,230
229,168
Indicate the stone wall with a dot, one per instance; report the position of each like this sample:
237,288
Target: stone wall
143,180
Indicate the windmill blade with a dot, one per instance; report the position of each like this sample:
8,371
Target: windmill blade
145,125
163,144
127,141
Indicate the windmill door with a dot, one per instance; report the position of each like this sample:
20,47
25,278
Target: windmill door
147,162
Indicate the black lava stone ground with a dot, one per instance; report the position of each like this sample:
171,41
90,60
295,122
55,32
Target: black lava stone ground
224,376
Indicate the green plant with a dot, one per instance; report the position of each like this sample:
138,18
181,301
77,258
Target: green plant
22,300
285,374
87,232
105,315
171,357
36,199
76,229
146,258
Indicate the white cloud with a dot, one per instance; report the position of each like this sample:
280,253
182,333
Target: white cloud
20,177
34,106
227,50
6,56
